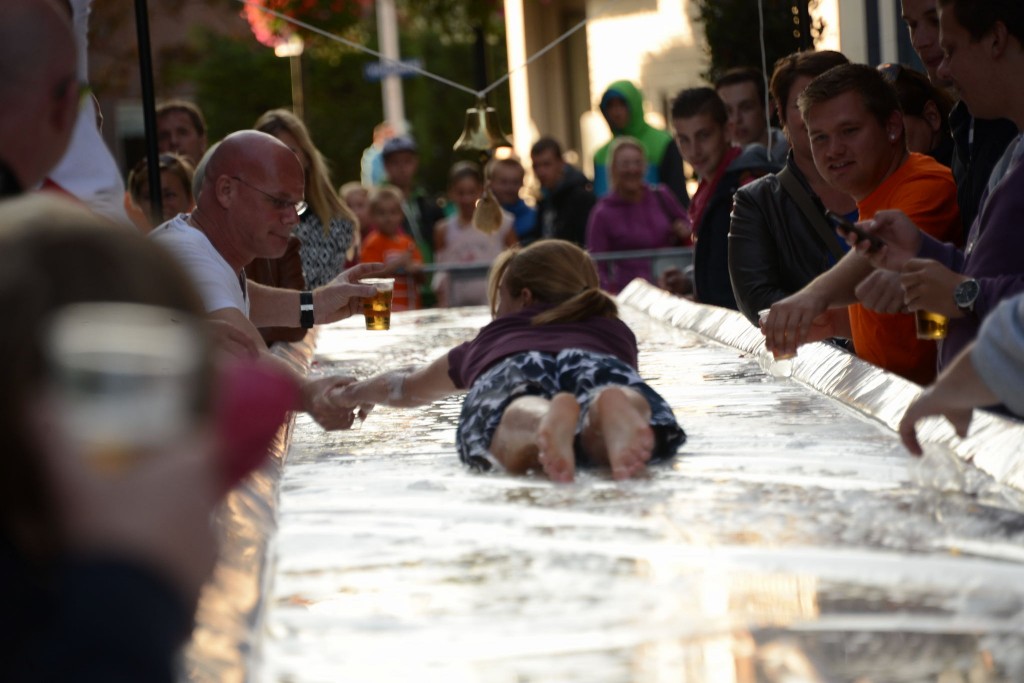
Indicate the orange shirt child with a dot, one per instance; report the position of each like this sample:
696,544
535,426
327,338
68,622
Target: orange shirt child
388,244
925,191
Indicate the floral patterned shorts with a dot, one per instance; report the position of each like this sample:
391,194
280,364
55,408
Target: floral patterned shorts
534,373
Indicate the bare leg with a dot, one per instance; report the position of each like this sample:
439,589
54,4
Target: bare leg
617,431
555,435
515,440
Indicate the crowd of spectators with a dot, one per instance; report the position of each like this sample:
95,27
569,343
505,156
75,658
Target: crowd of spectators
254,246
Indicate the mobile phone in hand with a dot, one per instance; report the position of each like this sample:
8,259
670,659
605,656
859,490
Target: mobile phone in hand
846,227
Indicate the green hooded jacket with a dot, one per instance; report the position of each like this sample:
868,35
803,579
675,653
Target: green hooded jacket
654,141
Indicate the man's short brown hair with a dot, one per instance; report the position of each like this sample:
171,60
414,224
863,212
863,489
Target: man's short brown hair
189,108
878,95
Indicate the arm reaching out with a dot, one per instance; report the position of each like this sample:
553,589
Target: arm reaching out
955,394
405,387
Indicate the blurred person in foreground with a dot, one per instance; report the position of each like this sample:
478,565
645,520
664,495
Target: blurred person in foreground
39,94
101,571
552,381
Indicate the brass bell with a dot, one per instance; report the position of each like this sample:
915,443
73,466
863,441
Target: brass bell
482,132
487,216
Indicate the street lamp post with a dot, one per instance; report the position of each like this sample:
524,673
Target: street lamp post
292,49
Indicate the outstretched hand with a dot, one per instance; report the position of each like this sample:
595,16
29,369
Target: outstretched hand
794,321
933,401
316,395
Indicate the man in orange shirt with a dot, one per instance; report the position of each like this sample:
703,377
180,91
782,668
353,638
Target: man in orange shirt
859,146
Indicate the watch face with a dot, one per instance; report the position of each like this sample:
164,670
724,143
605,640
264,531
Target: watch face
966,292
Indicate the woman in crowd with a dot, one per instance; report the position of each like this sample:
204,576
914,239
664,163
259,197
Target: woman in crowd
553,380
175,189
633,216
925,112
328,227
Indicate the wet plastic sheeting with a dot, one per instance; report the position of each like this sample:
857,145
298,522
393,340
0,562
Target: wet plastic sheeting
792,540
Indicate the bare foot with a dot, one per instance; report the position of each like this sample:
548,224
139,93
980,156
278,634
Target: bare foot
555,435
625,430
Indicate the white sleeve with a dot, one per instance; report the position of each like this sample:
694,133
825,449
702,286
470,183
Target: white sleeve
998,353
219,287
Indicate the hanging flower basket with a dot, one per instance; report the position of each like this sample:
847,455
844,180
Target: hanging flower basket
333,16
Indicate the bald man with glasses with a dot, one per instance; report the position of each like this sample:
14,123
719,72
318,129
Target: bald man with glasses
252,194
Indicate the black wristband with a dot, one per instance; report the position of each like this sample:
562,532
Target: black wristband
306,309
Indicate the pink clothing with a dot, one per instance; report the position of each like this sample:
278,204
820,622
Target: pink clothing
465,243
619,225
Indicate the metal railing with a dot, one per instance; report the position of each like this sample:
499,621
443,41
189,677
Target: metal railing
679,257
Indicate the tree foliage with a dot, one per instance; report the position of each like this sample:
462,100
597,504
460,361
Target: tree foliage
734,36
235,80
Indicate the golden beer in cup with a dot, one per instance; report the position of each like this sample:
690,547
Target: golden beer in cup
377,310
931,325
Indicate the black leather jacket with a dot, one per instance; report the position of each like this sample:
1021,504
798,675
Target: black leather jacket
710,252
773,250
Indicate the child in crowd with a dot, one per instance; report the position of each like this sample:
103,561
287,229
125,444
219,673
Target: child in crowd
175,187
389,245
357,197
457,240
552,381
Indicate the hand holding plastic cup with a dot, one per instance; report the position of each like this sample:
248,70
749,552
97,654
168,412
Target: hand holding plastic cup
762,318
126,378
377,310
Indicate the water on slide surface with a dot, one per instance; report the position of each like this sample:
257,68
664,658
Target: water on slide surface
789,541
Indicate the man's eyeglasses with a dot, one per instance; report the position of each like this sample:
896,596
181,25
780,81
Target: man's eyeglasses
278,203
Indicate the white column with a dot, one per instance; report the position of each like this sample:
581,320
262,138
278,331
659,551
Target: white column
518,82
391,86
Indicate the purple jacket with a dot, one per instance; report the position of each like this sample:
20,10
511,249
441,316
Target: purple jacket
994,256
618,225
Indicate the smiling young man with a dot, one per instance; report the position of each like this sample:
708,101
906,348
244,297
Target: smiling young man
743,92
700,122
859,146
978,143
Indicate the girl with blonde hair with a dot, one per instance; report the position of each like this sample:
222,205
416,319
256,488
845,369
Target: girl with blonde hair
552,381
328,229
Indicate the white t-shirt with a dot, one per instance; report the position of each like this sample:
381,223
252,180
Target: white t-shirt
220,286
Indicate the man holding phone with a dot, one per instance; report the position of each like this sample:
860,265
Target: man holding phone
858,143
